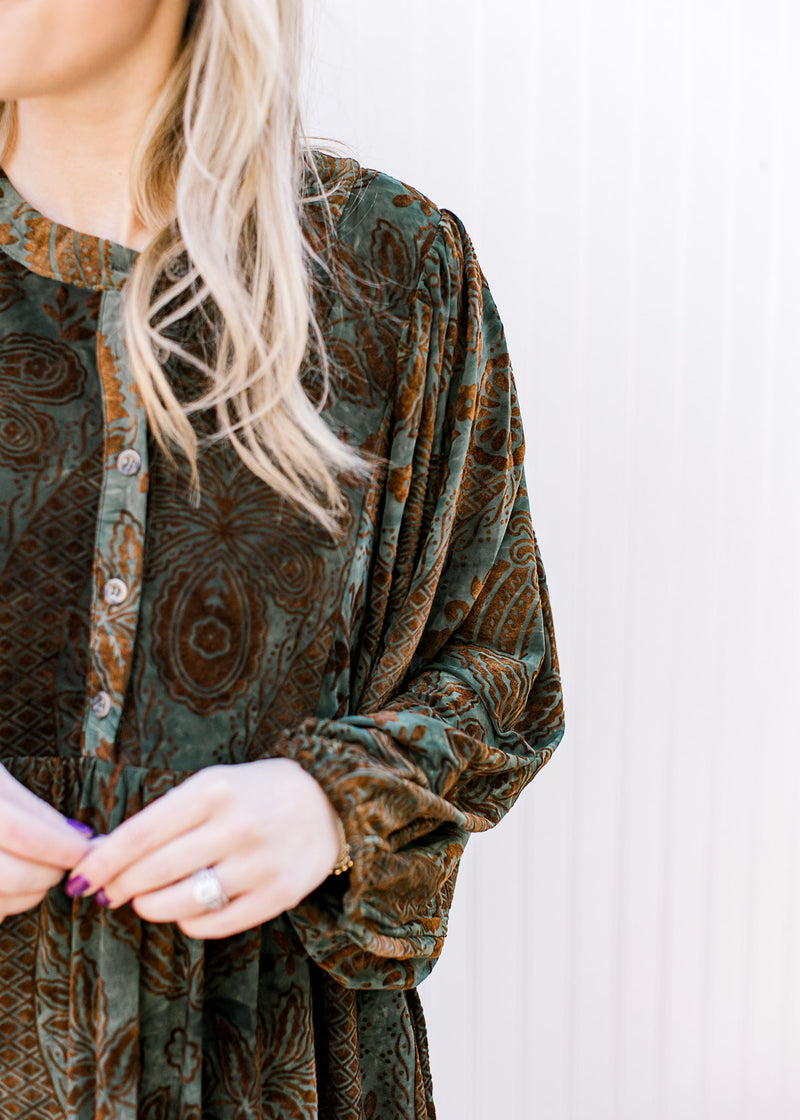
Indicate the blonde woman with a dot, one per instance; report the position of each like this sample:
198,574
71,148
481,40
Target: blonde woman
274,634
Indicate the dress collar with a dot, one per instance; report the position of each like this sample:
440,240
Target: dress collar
60,253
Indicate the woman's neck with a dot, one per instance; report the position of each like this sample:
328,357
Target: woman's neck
72,155
77,172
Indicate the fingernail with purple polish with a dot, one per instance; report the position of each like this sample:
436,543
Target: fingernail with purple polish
79,826
101,898
75,886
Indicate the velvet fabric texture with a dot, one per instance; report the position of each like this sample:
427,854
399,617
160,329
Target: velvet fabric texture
410,667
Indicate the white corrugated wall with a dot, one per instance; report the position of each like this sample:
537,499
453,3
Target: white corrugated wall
626,945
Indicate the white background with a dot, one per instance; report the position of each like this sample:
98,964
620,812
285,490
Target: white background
626,945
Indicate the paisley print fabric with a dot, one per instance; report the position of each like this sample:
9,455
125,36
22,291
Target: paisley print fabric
409,666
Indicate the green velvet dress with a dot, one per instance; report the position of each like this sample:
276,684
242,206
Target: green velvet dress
409,667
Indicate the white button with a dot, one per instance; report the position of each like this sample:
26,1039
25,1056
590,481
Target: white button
129,462
115,591
176,269
101,704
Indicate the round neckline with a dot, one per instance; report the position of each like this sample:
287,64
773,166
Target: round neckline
57,252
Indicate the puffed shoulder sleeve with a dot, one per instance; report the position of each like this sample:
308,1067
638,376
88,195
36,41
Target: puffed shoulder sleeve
460,699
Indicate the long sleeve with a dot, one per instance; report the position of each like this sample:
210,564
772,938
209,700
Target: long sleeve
457,698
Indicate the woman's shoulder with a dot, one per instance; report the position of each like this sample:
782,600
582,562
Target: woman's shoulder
351,186
385,223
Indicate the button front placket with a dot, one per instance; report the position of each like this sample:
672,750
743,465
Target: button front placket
119,543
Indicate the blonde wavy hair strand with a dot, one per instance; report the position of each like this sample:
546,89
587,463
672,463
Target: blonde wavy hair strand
219,171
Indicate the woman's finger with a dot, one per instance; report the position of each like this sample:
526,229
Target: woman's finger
171,863
38,837
177,901
243,913
178,811
24,876
248,905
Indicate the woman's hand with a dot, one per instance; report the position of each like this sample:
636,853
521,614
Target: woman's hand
37,845
267,828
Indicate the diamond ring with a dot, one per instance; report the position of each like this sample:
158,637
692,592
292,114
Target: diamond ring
207,890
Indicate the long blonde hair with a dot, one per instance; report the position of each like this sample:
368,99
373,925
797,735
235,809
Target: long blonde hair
224,150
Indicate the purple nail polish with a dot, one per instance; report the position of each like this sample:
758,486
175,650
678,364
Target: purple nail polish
101,898
79,826
76,885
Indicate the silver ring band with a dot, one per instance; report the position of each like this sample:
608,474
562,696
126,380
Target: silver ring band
207,890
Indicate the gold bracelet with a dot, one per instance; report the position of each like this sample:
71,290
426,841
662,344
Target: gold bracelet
344,862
